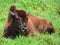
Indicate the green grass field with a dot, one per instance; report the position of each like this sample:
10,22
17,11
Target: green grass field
46,9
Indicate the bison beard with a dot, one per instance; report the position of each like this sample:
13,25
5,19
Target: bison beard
35,24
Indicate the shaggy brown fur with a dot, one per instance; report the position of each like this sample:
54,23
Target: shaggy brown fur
35,24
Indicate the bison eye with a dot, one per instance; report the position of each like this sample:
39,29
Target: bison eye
17,20
26,18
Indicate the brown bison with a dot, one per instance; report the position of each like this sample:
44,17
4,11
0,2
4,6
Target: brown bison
20,22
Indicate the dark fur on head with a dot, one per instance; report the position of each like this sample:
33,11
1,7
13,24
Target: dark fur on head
13,27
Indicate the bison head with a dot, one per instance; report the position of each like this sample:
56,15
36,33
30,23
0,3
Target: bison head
19,23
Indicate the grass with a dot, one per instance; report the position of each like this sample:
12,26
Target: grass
46,9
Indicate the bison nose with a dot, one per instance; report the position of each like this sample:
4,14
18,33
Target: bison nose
25,28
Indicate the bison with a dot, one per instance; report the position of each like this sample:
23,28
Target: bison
20,22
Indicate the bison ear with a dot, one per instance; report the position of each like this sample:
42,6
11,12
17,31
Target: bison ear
12,8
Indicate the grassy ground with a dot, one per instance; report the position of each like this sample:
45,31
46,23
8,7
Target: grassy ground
46,9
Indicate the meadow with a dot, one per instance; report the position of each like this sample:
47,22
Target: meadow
46,9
